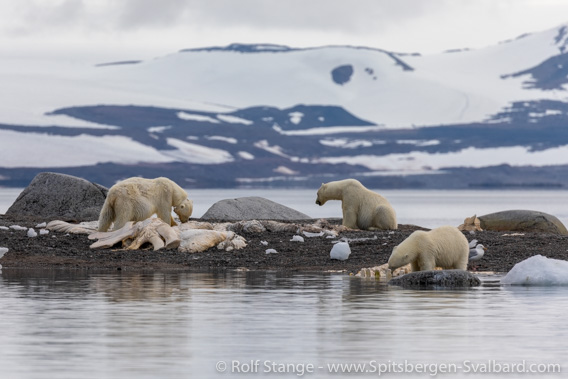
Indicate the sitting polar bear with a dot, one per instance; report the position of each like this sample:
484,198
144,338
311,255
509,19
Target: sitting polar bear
444,247
136,199
362,208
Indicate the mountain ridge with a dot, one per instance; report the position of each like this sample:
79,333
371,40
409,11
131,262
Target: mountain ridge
238,116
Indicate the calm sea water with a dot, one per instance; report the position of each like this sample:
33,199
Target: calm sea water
424,208
79,324
62,324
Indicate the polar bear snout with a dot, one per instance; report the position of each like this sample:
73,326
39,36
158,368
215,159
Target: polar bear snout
319,200
184,210
397,260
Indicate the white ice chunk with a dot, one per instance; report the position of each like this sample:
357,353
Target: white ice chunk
3,250
32,232
43,231
297,239
18,227
538,271
158,129
271,251
340,251
42,225
264,243
4,228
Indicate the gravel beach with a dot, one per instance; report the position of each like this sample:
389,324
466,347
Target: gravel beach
368,248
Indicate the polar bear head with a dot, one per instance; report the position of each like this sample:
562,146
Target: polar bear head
407,251
321,197
184,210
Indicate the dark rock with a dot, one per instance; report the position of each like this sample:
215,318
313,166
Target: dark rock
52,196
437,278
548,75
251,208
342,74
523,221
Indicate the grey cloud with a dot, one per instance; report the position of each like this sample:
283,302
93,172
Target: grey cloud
31,17
270,14
133,14
339,16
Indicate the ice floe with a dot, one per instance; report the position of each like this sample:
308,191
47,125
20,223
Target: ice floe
538,271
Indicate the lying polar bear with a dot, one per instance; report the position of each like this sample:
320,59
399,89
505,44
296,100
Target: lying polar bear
362,208
136,199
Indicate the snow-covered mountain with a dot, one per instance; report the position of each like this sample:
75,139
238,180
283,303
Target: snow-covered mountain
274,115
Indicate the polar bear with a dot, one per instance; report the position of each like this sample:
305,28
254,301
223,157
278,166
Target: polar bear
136,199
362,208
444,247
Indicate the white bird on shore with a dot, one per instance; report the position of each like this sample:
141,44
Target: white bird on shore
476,253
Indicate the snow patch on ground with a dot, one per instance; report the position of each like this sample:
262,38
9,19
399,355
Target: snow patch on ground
85,149
193,153
245,155
196,117
548,112
222,138
158,129
346,143
470,157
325,130
234,119
419,143
296,117
285,170
274,149
271,179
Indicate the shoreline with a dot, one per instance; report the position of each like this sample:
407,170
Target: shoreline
368,249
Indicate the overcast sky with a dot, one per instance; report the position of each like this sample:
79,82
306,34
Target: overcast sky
142,29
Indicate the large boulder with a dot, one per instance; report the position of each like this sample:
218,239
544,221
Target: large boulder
437,279
251,208
523,221
52,196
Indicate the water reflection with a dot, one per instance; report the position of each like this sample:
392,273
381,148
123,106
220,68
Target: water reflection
175,324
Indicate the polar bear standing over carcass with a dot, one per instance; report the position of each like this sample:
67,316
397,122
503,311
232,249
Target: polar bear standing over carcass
136,199
444,247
